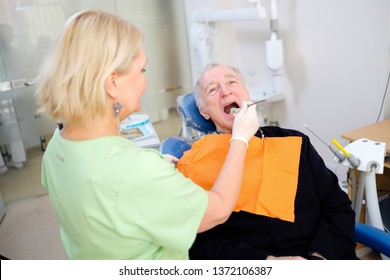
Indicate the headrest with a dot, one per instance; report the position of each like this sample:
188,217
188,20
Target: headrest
186,106
174,146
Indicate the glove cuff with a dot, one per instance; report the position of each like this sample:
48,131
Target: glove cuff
242,139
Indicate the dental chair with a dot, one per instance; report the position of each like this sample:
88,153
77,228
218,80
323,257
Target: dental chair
194,126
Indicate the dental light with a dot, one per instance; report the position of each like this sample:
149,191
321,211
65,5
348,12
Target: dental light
202,45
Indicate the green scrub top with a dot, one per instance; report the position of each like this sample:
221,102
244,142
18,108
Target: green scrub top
115,200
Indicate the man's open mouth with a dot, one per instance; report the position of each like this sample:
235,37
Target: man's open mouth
228,107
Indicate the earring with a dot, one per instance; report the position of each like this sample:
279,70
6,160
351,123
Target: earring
117,109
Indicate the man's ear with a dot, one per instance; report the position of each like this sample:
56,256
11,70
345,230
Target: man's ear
204,114
110,85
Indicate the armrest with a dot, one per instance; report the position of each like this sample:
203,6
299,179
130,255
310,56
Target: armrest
373,237
174,146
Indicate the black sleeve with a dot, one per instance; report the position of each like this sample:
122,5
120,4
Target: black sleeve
334,234
213,245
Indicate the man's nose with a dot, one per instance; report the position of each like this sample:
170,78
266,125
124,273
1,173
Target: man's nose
225,90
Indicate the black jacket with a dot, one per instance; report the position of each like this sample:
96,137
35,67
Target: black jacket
324,219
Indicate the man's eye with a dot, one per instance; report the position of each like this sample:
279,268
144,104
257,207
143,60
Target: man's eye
143,70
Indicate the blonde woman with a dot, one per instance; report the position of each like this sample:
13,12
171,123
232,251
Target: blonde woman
113,199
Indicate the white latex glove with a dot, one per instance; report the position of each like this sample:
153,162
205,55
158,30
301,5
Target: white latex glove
245,123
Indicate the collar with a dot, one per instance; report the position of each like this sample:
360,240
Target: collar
220,132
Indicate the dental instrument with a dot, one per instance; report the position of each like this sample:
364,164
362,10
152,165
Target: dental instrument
354,161
236,110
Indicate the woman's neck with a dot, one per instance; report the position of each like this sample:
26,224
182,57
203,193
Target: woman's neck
96,128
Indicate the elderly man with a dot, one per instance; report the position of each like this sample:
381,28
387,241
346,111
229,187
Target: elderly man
290,205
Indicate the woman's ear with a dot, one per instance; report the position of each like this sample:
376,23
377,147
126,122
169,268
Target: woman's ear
110,85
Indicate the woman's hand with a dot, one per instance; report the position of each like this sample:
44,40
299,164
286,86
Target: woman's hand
171,159
245,123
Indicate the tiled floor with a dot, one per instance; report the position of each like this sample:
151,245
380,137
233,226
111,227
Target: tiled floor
24,183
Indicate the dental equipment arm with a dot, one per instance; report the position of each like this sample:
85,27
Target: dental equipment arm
202,43
274,48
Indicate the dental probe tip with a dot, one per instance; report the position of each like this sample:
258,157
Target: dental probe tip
236,110
258,101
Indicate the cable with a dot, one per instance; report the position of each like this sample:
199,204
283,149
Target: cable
341,157
384,96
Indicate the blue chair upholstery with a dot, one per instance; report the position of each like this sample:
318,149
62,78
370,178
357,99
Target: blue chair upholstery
190,114
174,146
378,240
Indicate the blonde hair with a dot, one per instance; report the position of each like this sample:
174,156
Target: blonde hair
94,44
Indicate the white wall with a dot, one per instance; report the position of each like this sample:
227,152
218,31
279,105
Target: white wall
336,62
386,105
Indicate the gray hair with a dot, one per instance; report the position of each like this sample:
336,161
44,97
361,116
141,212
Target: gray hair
197,89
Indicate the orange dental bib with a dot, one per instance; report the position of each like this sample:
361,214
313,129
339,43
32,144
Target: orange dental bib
270,174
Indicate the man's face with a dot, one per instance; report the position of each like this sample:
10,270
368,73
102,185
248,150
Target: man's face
221,89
